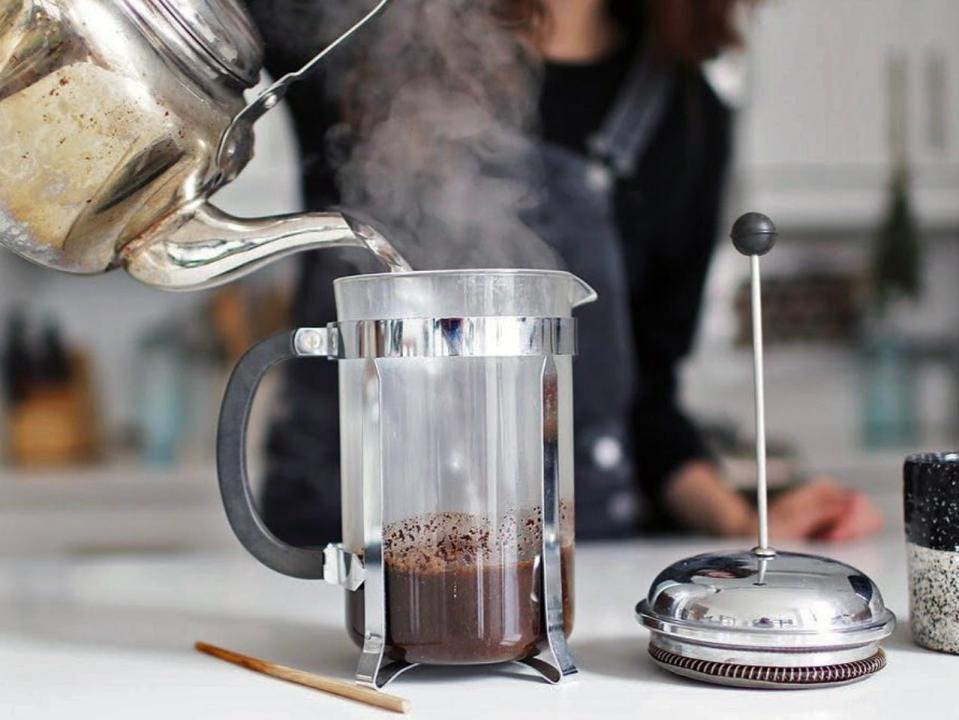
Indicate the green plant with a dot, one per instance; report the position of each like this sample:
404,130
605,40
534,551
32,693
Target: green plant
897,253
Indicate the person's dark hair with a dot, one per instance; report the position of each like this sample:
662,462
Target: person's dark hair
632,16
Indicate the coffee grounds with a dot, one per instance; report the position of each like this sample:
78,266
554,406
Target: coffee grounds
461,592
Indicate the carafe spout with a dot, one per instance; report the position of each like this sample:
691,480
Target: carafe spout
204,246
581,293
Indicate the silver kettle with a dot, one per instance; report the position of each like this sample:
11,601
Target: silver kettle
118,120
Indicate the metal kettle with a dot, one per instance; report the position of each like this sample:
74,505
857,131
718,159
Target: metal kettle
118,120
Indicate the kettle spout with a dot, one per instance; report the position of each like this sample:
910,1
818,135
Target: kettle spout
203,246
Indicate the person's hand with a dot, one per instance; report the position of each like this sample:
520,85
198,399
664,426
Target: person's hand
822,510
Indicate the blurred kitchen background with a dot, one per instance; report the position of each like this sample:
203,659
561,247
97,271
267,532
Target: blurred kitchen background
848,137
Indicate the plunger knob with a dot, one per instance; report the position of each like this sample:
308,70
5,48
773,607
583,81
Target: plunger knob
753,234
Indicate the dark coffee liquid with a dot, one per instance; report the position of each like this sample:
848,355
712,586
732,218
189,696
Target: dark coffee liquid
451,597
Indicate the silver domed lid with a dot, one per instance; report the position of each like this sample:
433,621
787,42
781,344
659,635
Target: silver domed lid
783,601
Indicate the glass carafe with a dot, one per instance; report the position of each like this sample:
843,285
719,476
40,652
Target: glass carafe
456,453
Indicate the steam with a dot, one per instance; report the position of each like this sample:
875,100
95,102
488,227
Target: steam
439,99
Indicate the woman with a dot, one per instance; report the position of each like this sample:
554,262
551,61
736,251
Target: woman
633,146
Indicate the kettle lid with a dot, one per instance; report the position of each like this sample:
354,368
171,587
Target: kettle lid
222,30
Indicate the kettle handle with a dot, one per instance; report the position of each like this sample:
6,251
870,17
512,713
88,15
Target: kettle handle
269,98
235,490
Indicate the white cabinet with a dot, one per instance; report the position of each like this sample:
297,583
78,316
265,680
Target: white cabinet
935,54
934,136
814,146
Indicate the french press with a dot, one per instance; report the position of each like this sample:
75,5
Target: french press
456,447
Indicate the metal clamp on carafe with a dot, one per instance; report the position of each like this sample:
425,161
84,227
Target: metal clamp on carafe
456,460
118,120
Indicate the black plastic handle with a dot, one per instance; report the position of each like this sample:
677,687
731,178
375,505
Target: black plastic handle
231,463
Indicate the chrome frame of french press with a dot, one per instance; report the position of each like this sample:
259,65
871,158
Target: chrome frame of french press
373,340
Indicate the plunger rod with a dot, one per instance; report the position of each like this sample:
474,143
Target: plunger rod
761,492
754,235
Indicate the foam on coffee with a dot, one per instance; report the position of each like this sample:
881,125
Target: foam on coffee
438,541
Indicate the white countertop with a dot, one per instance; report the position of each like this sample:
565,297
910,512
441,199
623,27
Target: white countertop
103,637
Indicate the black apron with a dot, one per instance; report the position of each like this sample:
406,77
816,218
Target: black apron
578,219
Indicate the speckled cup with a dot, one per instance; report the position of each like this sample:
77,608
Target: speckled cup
931,495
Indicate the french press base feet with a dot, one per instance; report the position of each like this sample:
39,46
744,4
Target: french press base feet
550,672
386,674
553,663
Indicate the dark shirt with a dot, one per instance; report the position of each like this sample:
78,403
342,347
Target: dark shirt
576,97
667,214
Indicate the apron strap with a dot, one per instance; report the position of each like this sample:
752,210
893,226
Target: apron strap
629,127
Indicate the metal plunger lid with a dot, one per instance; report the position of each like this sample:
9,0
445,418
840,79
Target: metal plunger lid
760,617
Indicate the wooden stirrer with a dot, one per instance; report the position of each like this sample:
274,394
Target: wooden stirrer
348,690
